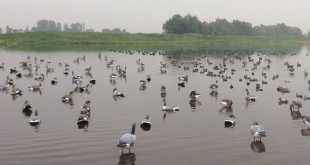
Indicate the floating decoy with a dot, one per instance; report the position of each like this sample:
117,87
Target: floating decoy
229,123
148,78
306,121
181,83
226,103
127,140
27,109
250,99
168,109
282,101
146,123
54,81
35,121
67,98
93,81
194,95
16,91
35,88
117,93
82,121
283,90
257,131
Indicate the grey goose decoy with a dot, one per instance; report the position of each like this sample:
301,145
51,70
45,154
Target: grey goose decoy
127,140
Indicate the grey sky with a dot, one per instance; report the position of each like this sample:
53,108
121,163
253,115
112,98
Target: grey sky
148,15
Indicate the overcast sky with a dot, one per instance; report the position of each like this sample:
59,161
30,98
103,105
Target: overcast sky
149,15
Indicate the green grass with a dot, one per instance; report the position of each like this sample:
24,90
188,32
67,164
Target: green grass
107,41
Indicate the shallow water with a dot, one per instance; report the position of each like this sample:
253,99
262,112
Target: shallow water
191,136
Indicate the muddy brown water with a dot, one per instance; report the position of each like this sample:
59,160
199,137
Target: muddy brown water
190,136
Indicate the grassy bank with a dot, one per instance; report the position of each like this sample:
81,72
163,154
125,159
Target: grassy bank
106,41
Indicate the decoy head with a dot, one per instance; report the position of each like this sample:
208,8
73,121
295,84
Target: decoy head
133,128
147,117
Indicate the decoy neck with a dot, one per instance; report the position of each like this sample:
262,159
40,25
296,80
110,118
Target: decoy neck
133,129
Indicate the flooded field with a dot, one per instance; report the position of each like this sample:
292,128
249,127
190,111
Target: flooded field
194,134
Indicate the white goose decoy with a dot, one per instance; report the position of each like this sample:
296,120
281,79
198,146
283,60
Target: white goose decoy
34,121
146,123
127,140
257,131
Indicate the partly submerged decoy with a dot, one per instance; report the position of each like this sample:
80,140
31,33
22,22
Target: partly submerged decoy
127,140
146,123
257,131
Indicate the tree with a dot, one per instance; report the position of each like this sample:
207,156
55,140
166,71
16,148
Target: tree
180,25
0,30
8,29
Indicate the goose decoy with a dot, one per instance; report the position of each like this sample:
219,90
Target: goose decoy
127,140
306,121
35,121
117,93
165,108
226,103
148,78
282,101
19,75
146,123
67,98
181,83
16,92
257,131
82,121
35,88
229,123
183,78
283,89
194,95
54,81
250,99
93,81
27,109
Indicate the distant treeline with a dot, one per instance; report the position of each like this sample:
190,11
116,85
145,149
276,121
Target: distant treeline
53,26
191,24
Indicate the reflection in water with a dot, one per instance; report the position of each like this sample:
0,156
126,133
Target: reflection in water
296,115
258,146
194,103
127,159
305,132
